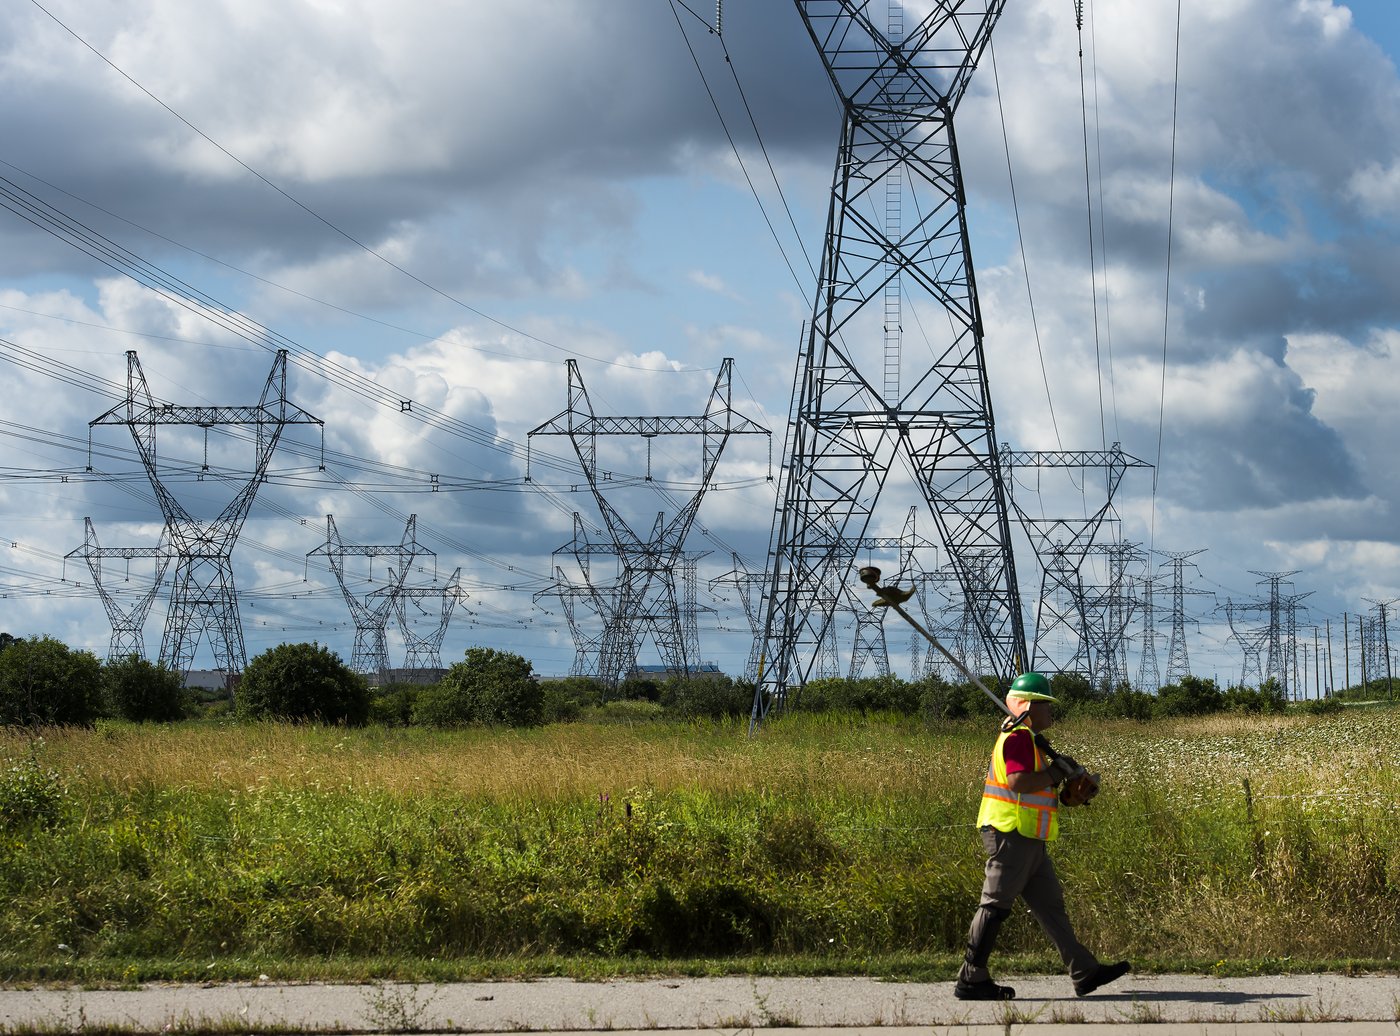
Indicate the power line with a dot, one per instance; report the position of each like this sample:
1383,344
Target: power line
322,219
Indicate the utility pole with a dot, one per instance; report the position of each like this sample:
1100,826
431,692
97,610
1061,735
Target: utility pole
1346,648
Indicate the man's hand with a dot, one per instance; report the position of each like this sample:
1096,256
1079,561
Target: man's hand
1063,768
1078,791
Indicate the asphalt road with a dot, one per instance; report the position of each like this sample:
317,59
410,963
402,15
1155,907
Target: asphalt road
1162,1005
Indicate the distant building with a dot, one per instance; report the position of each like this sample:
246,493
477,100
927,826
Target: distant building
421,676
211,680
699,669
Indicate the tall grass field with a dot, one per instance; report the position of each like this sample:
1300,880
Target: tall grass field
823,843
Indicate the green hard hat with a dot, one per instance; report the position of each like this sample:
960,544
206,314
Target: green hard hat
1031,687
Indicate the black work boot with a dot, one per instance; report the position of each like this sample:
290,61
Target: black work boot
984,990
1105,974
981,937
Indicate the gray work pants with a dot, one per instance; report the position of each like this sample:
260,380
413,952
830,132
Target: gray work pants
1020,866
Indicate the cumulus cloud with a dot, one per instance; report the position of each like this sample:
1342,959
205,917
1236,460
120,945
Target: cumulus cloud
560,185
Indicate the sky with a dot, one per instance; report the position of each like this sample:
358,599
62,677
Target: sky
434,208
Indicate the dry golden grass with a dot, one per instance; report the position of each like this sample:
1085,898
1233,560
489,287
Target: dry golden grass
819,755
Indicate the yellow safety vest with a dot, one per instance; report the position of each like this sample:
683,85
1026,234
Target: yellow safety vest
1035,815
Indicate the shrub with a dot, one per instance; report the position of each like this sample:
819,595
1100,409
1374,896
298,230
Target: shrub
30,794
566,698
392,705
45,683
1268,698
869,694
635,710
710,696
1321,706
939,699
488,686
1075,693
1126,703
302,682
144,691
636,687
1191,697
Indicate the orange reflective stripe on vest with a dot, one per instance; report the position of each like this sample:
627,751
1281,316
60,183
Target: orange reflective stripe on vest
1035,815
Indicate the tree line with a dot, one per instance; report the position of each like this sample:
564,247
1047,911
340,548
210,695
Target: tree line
43,682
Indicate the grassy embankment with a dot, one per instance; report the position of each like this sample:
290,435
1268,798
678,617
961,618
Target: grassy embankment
825,844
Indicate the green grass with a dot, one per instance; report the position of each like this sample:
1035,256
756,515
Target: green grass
827,844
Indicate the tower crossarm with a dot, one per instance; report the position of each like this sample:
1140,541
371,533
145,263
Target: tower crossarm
928,69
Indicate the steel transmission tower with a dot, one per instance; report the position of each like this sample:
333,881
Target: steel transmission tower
870,638
870,641
423,652
371,652
1063,545
1377,651
645,598
1280,635
203,600
126,620
749,586
861,402
1148,673
1108,610
1178,660
1249,642
587,645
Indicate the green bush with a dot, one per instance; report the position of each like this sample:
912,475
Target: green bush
636,687
940,700
1193,696
497,688
392,705
1076,694
1126,703
45,683
302,682
30,794
1321,706
566,698
709,696
144,691
1266,699
865,695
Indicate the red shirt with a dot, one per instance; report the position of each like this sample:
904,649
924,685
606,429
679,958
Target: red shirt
1018,751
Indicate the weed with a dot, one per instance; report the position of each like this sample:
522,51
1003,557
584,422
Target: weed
1141,1013
1304,1013
395,1007
767,1018
1009,1015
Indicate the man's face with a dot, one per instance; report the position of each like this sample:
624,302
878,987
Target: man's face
1042,715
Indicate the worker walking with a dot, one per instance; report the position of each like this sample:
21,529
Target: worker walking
1018,818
